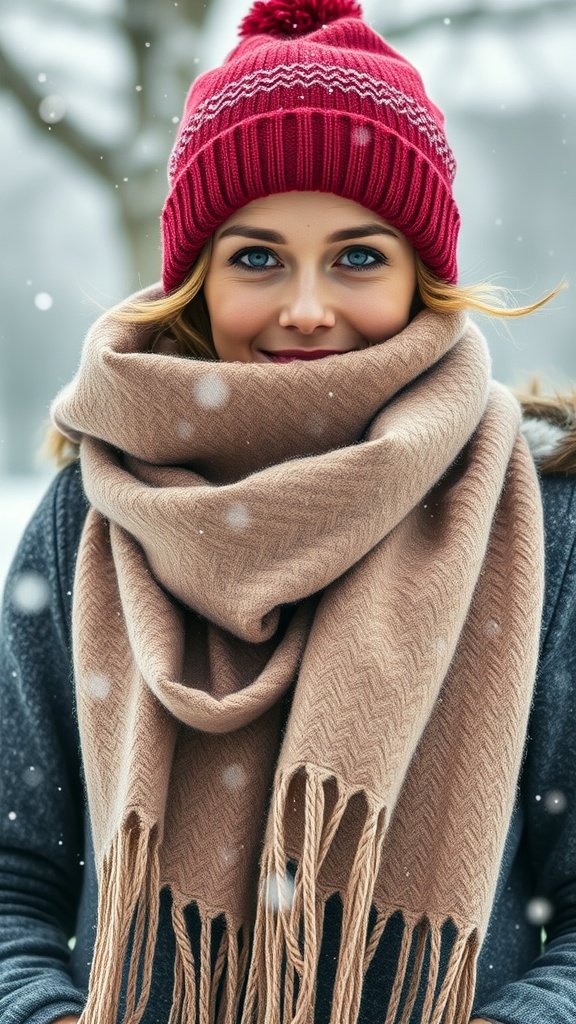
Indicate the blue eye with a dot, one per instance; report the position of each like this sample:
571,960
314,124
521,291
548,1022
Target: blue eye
261,255
377,257
253,252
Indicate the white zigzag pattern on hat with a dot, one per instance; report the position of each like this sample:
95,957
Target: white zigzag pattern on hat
345,79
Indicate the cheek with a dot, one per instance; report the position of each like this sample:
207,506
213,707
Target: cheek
233,311
385,310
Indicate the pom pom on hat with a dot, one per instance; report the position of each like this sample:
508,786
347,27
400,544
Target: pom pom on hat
295,17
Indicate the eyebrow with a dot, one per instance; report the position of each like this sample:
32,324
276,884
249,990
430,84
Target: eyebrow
265,235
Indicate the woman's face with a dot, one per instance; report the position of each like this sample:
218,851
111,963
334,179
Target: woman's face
308,271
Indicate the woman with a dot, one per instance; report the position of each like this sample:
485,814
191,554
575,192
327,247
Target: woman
298,575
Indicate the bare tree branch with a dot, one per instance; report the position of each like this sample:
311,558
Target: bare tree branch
71,136
497,16
140,23
191,11
71,11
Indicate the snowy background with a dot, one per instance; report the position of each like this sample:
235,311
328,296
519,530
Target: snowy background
90,96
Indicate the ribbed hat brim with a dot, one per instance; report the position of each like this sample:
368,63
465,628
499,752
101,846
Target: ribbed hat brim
343,153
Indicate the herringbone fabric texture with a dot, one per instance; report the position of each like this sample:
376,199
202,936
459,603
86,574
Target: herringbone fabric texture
363,534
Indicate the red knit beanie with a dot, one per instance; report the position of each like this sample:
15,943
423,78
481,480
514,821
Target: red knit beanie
311,99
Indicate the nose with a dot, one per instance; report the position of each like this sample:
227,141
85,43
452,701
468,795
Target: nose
306,307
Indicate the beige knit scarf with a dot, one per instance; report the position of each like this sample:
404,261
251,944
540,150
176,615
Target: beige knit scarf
362,533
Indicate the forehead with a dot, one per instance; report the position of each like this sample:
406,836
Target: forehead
288,206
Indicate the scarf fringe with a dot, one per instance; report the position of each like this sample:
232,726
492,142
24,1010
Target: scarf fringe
288,932
279,978
129,885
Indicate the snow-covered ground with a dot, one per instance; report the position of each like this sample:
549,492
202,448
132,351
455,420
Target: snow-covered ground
19,496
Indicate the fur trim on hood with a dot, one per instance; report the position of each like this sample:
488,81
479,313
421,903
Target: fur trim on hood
549,426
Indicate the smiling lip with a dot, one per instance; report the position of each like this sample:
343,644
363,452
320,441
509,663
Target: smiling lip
296,353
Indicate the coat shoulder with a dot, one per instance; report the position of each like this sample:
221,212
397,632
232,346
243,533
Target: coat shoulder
549,426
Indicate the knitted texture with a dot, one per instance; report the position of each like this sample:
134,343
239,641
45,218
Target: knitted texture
363,535
332,109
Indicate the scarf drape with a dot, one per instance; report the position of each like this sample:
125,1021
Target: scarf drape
361,535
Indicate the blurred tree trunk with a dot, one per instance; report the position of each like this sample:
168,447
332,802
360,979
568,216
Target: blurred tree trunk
162,43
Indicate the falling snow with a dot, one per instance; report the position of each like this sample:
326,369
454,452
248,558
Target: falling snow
32,776
30,593
492,628
278,891
361,136
230,855
234,776
316,425
555,801
184,430
43,301
211,391
98,686
539,910
238,516
52,109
